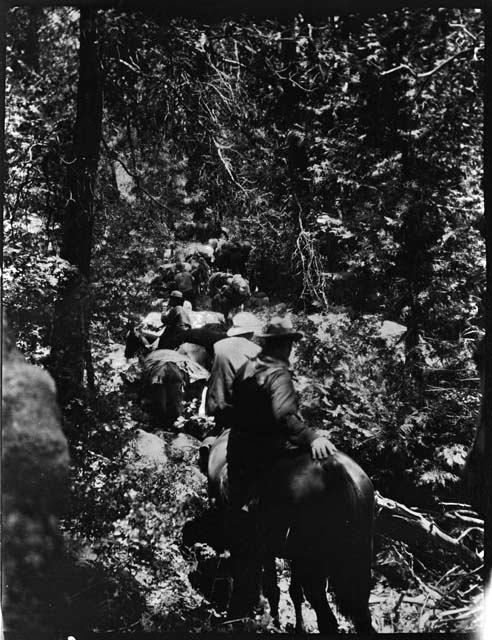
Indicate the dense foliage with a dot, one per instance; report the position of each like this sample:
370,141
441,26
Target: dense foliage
354,385
376,197
349,152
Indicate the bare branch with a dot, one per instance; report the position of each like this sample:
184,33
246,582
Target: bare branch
400,67
135,177
426,74
224,99
226,165
456,25
399,522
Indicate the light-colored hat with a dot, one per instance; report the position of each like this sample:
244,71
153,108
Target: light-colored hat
243,323
176,294
280,328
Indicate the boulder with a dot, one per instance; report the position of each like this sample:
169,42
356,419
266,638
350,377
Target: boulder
391,331
185,443
147,449
35,464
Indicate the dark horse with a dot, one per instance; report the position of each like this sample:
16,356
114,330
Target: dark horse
318,515
205,336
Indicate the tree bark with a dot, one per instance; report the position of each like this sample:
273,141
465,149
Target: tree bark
31,51
70,351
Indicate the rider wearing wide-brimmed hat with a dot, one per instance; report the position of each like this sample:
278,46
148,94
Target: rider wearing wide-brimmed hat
267,420
266,427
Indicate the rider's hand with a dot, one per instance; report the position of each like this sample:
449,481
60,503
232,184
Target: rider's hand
322,448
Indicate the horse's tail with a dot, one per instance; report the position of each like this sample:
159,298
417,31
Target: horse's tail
349,571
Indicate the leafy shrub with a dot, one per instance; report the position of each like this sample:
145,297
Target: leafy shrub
131,516
358,388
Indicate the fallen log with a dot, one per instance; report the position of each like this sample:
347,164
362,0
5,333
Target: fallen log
399,522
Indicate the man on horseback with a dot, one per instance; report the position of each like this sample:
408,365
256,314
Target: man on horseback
265,427
230,354
184,282
266,415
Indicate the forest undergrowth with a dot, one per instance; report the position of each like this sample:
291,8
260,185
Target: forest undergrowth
130,503
349,152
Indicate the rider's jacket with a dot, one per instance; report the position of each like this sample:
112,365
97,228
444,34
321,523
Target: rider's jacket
230,354
266,418
184,282
176,318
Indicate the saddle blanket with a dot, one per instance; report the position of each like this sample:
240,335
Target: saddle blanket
155,370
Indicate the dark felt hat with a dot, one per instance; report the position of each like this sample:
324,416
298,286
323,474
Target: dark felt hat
280,328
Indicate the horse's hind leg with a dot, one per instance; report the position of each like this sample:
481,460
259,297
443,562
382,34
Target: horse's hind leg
314,586
351,588
350,578
362,621
246,561
158,396
270,587
297,596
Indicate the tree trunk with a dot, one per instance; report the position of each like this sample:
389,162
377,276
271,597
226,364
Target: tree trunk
70,352
31,51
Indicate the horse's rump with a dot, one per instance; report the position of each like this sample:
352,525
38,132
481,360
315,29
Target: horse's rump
162,365
315,505
298,494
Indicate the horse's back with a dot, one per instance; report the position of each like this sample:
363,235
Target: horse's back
317,501
201,318
195,352
297,478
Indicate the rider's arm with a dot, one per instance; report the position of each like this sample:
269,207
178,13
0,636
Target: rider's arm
285,410
220,381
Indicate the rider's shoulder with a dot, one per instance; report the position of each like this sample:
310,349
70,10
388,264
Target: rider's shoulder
271,369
